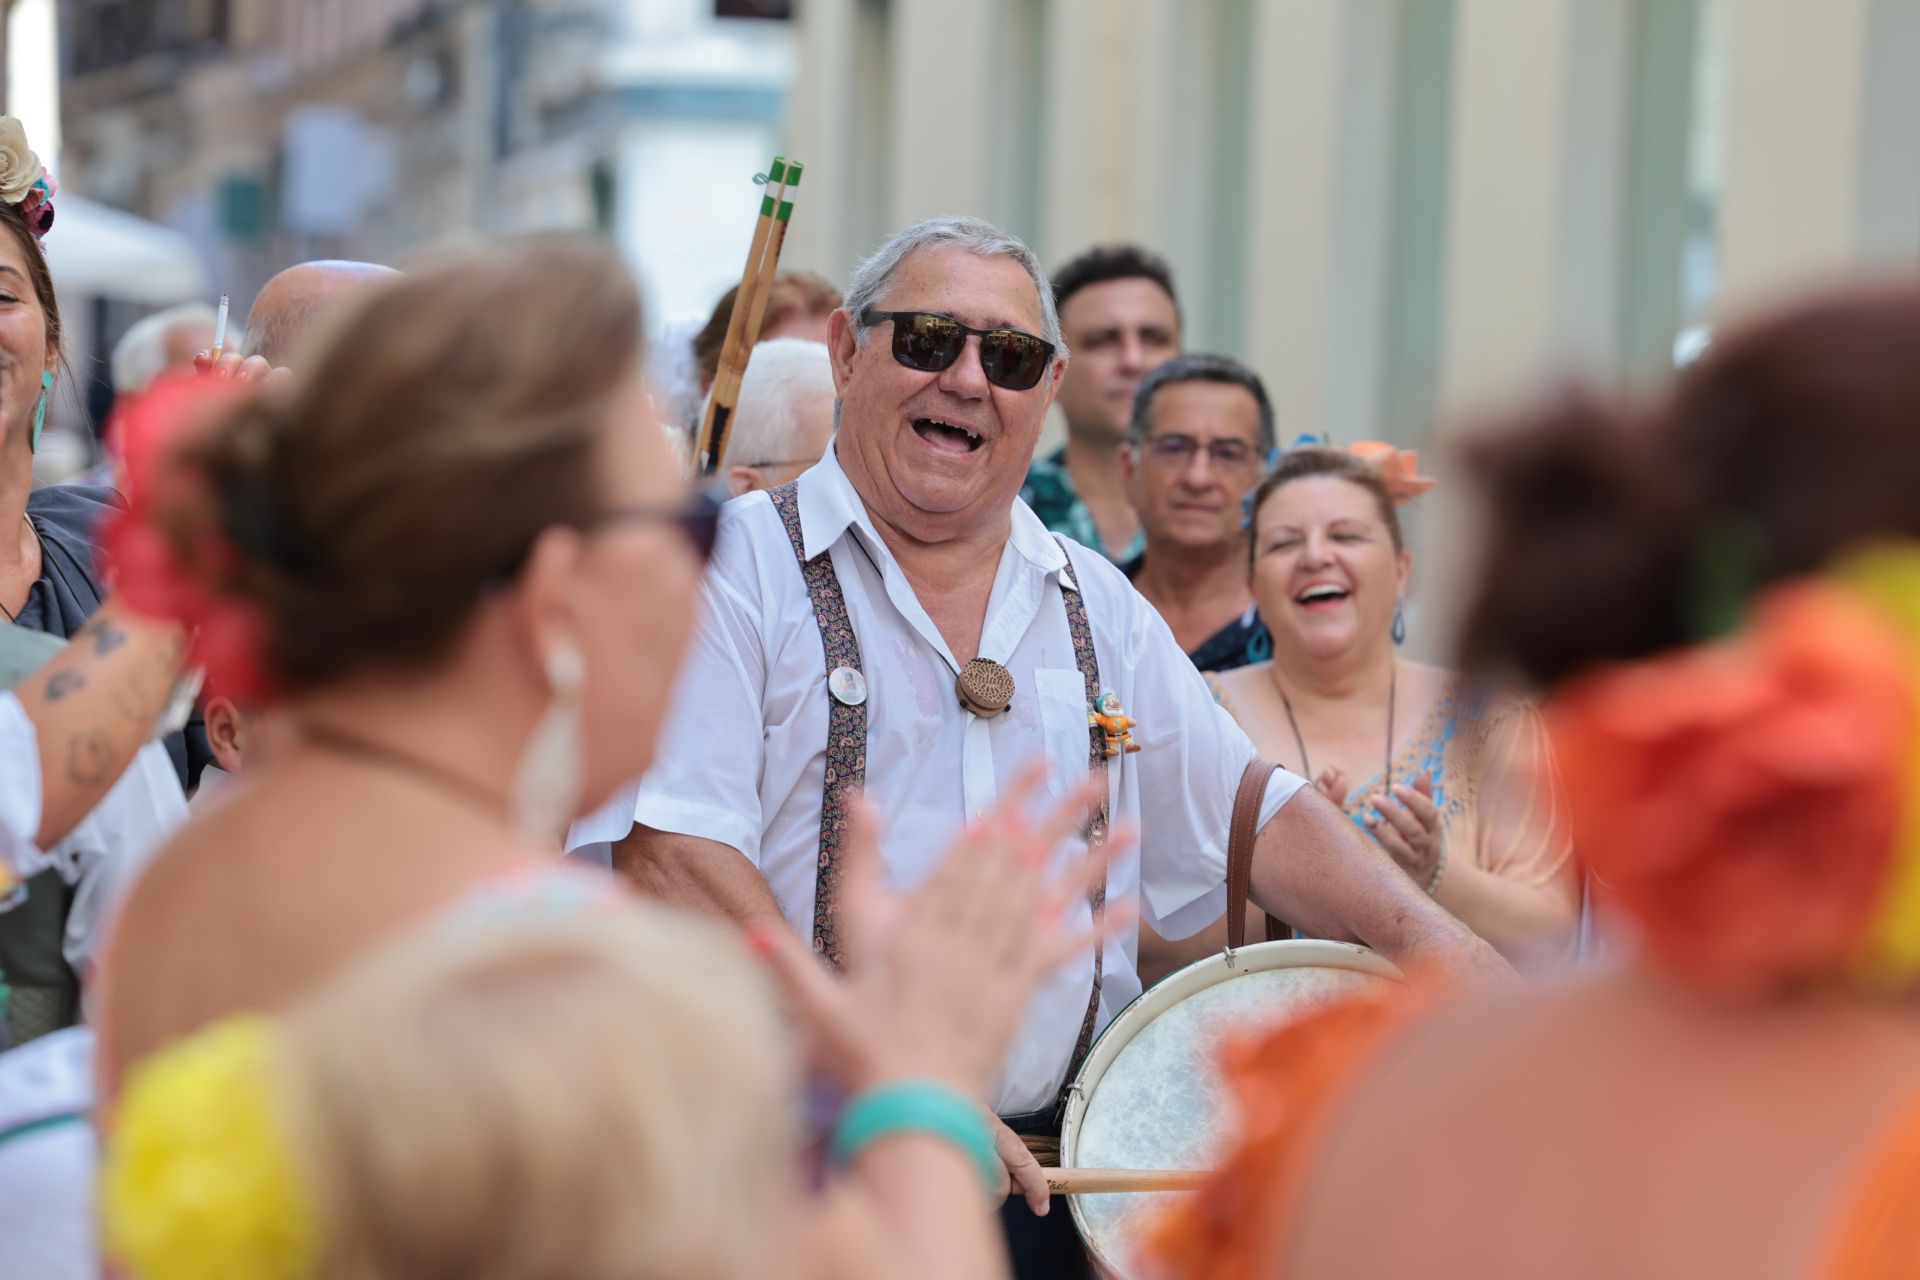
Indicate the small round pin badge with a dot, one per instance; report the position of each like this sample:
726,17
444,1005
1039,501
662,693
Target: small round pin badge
849,687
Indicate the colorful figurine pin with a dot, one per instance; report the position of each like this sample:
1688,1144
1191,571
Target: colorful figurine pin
1113,722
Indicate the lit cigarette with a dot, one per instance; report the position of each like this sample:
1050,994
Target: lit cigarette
220,329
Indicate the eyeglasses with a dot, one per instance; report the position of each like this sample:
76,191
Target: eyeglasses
930,342
698,519
1177,451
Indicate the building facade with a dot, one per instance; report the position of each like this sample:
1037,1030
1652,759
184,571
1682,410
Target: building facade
274,132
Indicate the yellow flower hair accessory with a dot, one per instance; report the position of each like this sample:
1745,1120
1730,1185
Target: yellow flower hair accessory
199,1180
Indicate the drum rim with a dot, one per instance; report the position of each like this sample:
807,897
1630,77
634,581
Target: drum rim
1230,963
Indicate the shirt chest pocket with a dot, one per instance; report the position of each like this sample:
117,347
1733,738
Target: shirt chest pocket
1062,699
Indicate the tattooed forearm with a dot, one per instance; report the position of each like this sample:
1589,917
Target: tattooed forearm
129,704
62,683
106,638
91,758
93,706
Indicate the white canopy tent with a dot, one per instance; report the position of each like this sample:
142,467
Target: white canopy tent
98,251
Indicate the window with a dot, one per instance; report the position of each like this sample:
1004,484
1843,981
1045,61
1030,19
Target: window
778,9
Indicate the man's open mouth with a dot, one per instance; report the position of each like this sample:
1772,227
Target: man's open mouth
947,435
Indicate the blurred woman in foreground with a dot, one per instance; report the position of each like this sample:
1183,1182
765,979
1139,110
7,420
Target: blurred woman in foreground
455,553
1723,597
601,1090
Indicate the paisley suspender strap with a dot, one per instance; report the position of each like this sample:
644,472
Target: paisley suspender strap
847,746
846,725
1089,664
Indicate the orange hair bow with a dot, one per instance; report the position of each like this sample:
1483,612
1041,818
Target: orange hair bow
1400,468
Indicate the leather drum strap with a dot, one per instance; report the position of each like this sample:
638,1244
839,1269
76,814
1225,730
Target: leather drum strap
1241,831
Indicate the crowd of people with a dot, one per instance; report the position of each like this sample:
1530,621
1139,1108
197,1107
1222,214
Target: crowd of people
441,834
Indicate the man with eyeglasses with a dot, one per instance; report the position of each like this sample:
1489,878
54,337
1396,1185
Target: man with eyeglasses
898,623
1119,313
784,418
1201,432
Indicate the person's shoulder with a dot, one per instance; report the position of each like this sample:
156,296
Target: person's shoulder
1482,708
50,1076
749,527
1050,467
754,570
1430,682
1241,642
1229,686
1048,490
1093,571
1120,614
73,510
754,504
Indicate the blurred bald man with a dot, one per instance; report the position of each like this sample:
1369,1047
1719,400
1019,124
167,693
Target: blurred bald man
289,305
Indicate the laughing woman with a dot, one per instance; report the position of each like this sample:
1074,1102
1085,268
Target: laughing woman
1455,783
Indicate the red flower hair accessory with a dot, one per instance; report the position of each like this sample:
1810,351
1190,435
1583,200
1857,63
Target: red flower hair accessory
166,553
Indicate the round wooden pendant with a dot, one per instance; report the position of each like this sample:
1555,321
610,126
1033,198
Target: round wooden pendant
986,687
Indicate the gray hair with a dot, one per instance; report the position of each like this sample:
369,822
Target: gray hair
781,373
141,354
976,236
1200,368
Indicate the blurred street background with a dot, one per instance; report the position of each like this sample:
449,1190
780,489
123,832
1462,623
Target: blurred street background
1394,209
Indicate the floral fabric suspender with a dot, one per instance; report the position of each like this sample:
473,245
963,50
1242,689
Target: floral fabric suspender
1083,657
847,740
846,722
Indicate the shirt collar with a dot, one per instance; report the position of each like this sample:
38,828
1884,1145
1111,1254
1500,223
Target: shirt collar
830,505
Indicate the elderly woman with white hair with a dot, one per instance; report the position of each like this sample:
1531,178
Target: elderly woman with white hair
784,420
164,340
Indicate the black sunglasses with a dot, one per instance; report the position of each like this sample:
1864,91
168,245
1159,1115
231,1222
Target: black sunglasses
930,342
698,519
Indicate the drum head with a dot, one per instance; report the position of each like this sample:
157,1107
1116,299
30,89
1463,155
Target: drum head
1150,1095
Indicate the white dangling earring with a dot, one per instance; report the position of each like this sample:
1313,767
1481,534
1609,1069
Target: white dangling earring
547,785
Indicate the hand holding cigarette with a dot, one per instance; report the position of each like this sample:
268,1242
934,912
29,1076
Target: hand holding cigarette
222,363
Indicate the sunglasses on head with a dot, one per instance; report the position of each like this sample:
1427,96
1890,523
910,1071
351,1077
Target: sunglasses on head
930,342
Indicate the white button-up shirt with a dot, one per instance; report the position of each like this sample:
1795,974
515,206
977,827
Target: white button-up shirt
105,851
49,1159
742,757
20,793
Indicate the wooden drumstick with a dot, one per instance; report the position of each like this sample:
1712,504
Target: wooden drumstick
769,268
1077,1182
738,343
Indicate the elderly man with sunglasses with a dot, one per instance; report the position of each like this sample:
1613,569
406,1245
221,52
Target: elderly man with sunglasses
897,621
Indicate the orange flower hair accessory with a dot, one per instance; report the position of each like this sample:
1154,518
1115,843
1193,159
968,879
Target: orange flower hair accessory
1400,468
1743,800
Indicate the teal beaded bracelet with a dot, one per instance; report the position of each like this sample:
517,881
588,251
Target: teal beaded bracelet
922,1107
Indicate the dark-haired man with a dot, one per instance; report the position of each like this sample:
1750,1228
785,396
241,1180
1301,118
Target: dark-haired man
1201,431
1121,319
